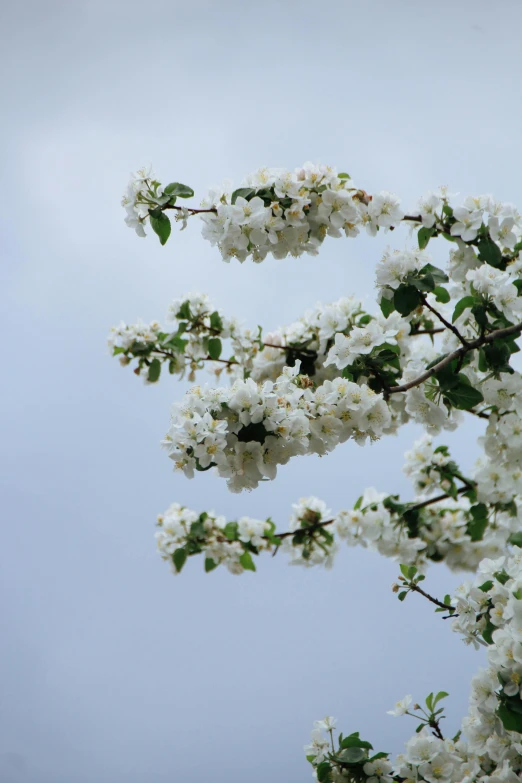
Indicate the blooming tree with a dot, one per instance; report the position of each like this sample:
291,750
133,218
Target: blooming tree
439,347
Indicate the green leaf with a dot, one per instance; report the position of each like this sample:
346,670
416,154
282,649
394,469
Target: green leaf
516,539
402,595
447,378
406,299
486,586
353,755
497,356
502,576
216,322
480,314
440,695
510,508
323,771
355,742
197,529
441,294
210,564
154,370
463,396
489,251
117,349
184,312
387,306
477,526
344,175
487,633
512,720
433,271
230,530
429,702
176,342
179,558
214,347
404,570
462,304
246,193
247,562
424,235
177,189
161,225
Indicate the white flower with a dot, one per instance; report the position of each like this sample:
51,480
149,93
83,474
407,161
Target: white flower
326,724
401,707
318,747
427,206
467,223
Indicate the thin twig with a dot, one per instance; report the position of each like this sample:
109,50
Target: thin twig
413,507
498,334
444,321
415,588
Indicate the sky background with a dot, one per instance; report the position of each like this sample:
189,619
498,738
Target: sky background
112,669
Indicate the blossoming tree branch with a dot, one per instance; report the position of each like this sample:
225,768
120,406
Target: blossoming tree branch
439,346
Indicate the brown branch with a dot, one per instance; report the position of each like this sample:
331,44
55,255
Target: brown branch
480,414
443,320
413,507
170,355
427,331
416,589
436,499
310,528
189,209
459,353
434,724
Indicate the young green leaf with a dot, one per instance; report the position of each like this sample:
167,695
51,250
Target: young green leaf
462,304
179,190
424,235
246,193
161,225
214,347
179,558
387,306
441,294
406,299
154,371
210,564
247,562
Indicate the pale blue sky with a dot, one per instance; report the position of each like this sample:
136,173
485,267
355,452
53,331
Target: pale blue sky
112,669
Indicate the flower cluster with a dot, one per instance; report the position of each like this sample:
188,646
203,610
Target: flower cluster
247,430
447,527
499,471
275,211
128,340
193,336
183,532
488,748
341,373
146,198
290,213
196,333
431,468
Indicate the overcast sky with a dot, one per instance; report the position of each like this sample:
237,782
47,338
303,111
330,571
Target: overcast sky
113,670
